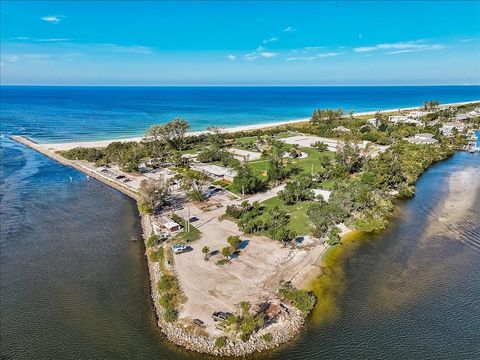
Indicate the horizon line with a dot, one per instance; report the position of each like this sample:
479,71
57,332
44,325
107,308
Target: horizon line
234,85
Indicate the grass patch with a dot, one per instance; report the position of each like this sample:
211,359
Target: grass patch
152,240
299,221
267,337
157,255
220,342
185,236
314,159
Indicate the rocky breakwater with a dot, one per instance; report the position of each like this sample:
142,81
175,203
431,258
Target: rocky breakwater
287,325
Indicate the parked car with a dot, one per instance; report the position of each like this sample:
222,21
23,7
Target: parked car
221,315
179,249
198,322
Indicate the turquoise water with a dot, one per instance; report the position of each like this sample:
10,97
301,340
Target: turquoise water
59,114
74,286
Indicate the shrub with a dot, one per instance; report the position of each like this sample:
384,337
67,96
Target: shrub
166,282
267,337
406,191
157,256
220,342
334,236
144,208
301,299
152,240
170,315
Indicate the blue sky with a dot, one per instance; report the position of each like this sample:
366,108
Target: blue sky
244,43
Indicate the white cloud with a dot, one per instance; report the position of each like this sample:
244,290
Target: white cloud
127,49
54,19
53,40
289,29
329,54
312,48
13,58
302,58
21,38
467,40
417,45
231,57
312,57
272,39
268,54
401,51
251,56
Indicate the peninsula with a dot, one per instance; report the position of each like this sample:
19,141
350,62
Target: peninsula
235,221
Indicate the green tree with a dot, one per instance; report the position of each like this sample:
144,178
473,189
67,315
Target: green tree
172,133
246,181
297,189
350,157
234,241
195,183
155,193
226,252
334,236
276,169
205,251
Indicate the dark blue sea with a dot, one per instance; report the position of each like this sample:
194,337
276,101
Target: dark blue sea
74,286
56,114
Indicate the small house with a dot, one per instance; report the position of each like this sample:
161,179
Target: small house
448,128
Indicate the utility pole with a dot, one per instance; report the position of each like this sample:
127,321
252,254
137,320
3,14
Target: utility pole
187,228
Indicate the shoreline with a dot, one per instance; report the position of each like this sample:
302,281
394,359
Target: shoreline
103,143
282,331
175,332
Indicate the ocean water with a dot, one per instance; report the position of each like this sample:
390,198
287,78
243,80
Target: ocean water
73,284
56,114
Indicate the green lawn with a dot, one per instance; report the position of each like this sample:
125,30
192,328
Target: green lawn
299,221
260,166
313,158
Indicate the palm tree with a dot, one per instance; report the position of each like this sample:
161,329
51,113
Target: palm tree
206,250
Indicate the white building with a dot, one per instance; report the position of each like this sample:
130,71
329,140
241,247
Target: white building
423,138
447,128
374,122
341,129
417,114
401,119
215,171
325,194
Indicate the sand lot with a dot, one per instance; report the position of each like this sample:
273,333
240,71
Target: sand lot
253,276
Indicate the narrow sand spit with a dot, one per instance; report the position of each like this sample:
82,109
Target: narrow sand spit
463,192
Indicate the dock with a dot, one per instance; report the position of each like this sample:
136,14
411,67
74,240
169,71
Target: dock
60,159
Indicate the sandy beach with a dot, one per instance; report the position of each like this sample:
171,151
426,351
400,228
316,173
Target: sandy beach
106,142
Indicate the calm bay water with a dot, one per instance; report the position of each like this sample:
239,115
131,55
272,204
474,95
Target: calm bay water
73,284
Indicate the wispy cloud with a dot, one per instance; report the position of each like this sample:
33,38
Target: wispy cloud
231,57
20,38
300,58
272,39
127,49
53,40
251,56
289,29
268,54
467,40
54,19
312,57
328,54
418,45
13,58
